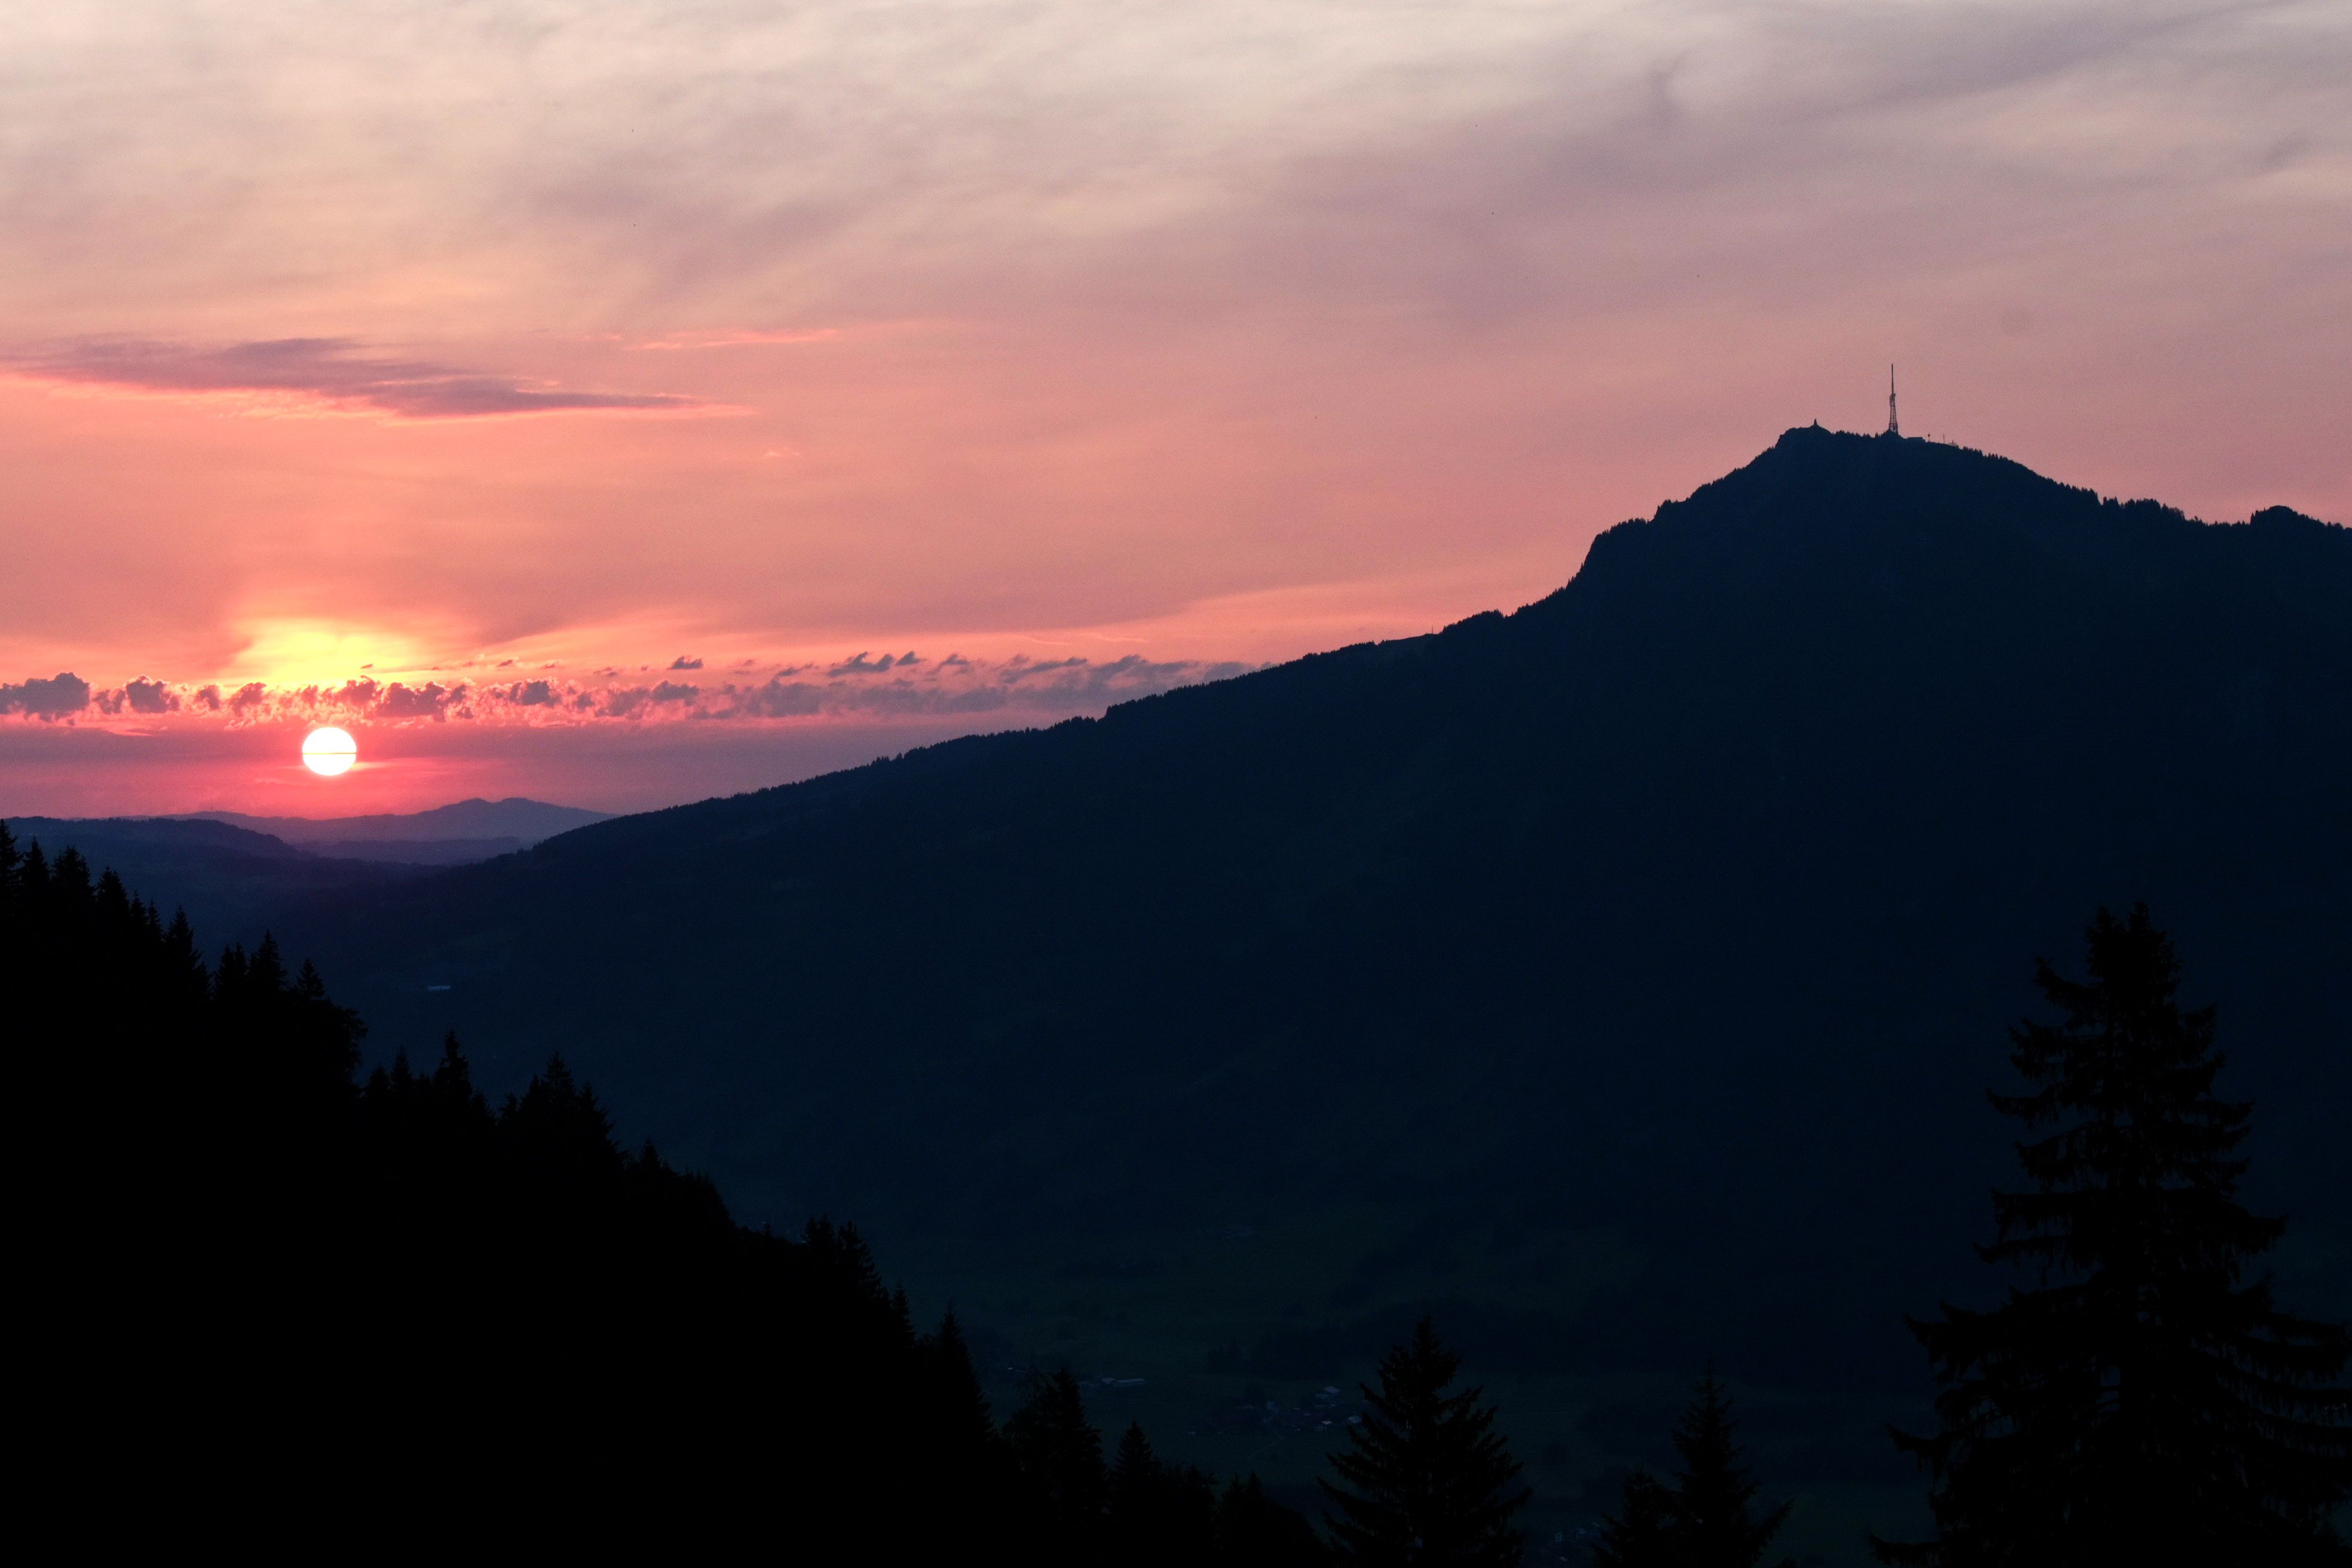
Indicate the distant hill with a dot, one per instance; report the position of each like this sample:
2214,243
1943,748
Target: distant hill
1622,976
230,880
509,824
234,873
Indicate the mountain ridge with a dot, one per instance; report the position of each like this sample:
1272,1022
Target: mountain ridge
515,820
1624,974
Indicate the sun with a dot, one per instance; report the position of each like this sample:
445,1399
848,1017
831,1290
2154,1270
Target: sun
330,751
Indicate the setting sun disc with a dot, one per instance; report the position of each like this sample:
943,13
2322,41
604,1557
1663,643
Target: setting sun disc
330,751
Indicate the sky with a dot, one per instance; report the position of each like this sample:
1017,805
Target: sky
621,403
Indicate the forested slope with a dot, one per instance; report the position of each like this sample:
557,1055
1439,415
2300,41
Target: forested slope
1627,969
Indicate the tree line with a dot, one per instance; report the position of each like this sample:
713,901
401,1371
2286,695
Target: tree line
273,1296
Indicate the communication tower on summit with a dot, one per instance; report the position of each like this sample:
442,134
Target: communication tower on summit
1893,427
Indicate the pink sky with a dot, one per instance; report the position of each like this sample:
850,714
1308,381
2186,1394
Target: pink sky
465,346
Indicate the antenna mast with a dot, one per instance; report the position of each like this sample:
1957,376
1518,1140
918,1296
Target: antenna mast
1893,427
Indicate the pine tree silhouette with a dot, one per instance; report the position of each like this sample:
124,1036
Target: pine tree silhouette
1640,1534
1708,1518
1060,1456
1427,1482
2139,1401
1713,1518
1160,1515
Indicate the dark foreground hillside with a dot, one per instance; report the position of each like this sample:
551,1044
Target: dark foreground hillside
262,1303
265,1299
1622,975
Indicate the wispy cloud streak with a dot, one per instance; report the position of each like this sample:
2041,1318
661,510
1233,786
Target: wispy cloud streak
336,372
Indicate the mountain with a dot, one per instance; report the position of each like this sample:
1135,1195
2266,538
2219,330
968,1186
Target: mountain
235,874
1622,977
472,829
232,881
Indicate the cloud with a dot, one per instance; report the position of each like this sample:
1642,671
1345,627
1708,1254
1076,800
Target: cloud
146,695
622,703
779,699
901,686
682,662
957,685
336,372
739,339
57,697
864,664
431,701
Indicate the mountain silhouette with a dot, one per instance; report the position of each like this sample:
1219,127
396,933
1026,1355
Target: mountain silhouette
1624,974
236,874
473,829
227,878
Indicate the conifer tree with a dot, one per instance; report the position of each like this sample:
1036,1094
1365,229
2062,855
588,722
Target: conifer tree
1160,1515
1715,1521
2139,1400
1708,1518
1641,1532
952,1386
1427,1483
1060,1456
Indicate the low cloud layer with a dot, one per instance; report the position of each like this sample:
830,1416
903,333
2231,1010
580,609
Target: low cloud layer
893,687
337,371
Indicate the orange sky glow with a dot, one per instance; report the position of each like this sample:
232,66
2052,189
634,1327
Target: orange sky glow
601,401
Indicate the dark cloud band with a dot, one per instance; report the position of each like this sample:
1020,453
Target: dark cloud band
893,687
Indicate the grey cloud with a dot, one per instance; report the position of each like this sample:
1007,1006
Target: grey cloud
57,697
336,370
150,696
862,664
1056,688
893,687
358,694
431,701
627,701
623,702
682,662
779,699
